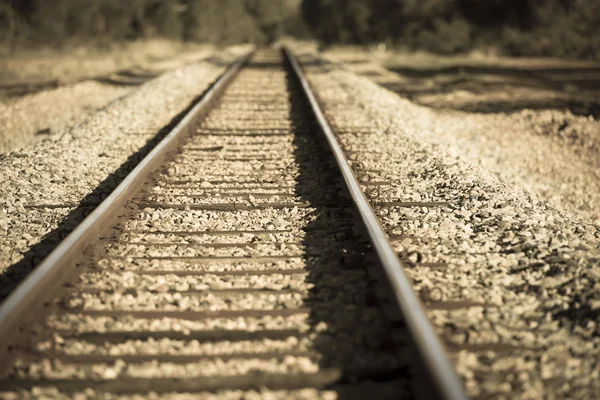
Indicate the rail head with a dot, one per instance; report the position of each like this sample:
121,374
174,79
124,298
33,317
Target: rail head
52,270
433,353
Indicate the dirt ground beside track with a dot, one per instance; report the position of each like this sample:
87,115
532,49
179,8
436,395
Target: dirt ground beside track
81,83
531,122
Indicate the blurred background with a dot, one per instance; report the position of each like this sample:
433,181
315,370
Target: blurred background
557,28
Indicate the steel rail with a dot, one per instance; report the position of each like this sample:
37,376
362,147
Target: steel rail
428,344
53,269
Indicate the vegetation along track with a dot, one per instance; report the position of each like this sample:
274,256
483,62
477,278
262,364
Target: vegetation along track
236,269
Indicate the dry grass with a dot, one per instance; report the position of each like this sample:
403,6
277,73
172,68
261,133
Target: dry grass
480,82
77,63
425,60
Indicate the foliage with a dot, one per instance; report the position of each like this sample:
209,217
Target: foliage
565,28
62,22
8,24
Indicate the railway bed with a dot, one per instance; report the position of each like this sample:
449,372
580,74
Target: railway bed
509,282
241,267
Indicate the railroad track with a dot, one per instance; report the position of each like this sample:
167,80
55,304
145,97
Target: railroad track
239,258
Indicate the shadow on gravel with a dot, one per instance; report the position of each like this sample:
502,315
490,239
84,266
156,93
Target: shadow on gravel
577,89
353,333
24,88
17,272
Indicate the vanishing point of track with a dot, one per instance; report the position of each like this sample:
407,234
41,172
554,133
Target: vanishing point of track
239,255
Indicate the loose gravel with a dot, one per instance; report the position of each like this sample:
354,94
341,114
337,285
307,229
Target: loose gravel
87,85
36,117
550,152
392,389
87,324
510,283
42,184
528,150
246,291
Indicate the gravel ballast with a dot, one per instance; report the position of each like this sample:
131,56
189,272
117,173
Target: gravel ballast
547,150
510,283
221,289
35,117
40,115
246,241
42,183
